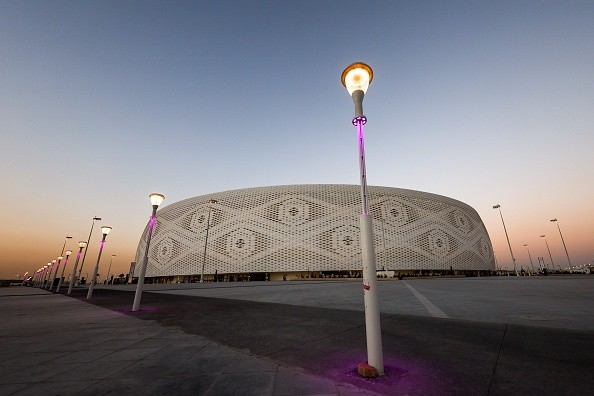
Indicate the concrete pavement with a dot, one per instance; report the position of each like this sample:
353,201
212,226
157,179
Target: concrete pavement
192,344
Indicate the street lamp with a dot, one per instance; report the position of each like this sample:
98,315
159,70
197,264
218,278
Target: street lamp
212,201
109,269
506,236
104,230
532,266
156,200
49,273
68,253
564,247
356,79
549,250
43,278
81,246
86,250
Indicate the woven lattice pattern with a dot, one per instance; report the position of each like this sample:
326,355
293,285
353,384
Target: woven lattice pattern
314,228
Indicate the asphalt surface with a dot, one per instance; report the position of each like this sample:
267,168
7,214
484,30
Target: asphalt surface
424,354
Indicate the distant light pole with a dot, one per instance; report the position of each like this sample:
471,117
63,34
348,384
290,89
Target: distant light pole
549,250
81,246
87,249
356,79
44,275
64,246
49,274
156,200
506,236
104,230
109,270
68,253
211,201
564,247
532,266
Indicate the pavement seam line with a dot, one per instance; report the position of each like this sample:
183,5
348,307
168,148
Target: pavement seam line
497,359
429,306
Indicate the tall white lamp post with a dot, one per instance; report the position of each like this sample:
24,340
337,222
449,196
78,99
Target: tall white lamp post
86,250
529,256
68,253
549,250
50,269
507,237
212,201
564,247
104,230
356,79
156,200
81,246
109,269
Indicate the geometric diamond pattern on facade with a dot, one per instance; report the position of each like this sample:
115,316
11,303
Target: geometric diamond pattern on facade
314,228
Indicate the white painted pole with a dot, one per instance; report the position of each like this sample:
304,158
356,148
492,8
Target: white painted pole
140,284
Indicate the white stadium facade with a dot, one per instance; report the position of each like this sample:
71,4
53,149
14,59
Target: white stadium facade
304,231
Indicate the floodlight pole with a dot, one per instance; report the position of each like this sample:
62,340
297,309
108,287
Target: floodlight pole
356,79
507,237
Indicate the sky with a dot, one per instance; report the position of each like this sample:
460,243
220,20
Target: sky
104,102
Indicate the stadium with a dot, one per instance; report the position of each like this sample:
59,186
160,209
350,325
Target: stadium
312,231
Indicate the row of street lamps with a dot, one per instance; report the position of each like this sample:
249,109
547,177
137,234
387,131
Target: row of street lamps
526,245
356,79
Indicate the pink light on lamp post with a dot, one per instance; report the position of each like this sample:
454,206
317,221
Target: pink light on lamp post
356,79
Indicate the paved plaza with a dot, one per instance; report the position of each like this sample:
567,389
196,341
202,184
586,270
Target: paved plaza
496,336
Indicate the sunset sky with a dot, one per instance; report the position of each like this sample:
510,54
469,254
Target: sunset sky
104,102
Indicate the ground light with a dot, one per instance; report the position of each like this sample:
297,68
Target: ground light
356,79
104,230
156,200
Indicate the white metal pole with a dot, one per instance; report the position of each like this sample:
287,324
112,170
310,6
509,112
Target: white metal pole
73,276
373,330
140,284
62,274
94,278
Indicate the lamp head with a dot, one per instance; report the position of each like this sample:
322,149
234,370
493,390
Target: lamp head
53,262
496,206
542,236
82,244
105,230
156,199
357,77
525,244
68,237
60,258
68,253
96,218
554,220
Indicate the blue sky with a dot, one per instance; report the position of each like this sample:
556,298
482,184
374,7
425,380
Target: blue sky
102,103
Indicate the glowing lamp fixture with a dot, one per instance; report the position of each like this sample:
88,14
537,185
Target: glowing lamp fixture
105,230
82,244
357,77
68,253
60,257
156,199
